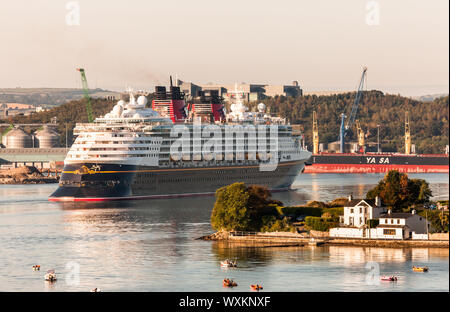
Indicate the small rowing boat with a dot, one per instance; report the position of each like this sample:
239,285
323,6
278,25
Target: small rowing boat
229,283
50,276
388,278
256,287
228,264
420,269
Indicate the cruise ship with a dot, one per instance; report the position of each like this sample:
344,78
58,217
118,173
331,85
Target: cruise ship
174,150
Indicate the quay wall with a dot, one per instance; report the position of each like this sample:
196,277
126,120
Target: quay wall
290,239
388,242
438,236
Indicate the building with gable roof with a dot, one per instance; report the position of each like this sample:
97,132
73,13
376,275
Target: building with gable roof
402,225
357,212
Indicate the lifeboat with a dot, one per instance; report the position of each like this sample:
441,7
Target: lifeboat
256,287
50,276
420,269
388,278
229,283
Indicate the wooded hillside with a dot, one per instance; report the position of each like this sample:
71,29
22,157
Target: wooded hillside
429,120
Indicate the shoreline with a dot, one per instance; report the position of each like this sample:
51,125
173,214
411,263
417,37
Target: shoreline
28,181
287,239
25,175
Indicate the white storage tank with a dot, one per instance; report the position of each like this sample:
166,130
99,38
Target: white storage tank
46,138
17,138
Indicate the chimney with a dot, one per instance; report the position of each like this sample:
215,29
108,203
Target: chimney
378,201
350,197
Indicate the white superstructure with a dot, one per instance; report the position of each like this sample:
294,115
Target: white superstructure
137,135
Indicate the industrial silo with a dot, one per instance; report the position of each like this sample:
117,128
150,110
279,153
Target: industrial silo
46,138
17,138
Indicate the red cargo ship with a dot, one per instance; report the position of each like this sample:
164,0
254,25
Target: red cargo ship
376,163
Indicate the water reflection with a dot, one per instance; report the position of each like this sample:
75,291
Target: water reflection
245,254
349,256
149,237
151,245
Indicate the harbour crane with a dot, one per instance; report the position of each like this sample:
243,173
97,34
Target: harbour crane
86,94
361,136
315,134
345,126
407,135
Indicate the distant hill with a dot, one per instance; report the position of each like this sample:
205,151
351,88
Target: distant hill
429,97
48,97
429,120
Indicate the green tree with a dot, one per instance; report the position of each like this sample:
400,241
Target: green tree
230,210
398,191
242,208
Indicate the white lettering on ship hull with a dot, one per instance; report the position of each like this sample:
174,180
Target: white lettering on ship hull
373,160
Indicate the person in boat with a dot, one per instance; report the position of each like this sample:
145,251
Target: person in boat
229,283
50,276
256,287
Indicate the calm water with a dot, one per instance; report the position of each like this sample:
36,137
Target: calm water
150,246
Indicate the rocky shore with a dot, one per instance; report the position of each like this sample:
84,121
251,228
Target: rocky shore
25,175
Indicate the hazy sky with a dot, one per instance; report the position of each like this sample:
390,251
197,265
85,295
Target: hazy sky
322,43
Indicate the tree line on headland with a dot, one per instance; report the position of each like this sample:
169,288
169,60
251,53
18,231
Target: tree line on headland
429,120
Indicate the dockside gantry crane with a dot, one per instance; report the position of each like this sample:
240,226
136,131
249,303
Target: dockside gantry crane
86,94
361,136
407,135
315,134
344,127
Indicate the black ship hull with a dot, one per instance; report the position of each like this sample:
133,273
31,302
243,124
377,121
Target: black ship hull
102,182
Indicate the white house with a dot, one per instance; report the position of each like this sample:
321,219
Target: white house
391,225
401,225
358,211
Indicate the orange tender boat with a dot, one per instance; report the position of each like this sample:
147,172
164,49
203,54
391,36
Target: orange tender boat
229,283
256,287
420,269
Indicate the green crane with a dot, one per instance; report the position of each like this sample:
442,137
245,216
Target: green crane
86,94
